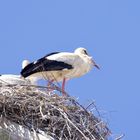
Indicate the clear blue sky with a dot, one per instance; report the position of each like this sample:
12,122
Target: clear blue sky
109,29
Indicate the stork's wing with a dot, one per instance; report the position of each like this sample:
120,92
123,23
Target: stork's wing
51,54
44,64
66,57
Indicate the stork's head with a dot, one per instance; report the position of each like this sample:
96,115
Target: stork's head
83,52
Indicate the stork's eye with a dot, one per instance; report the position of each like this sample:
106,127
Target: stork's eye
85,52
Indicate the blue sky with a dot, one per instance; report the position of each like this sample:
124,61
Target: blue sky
109,29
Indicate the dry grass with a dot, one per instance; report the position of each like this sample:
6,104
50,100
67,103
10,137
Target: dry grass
39,108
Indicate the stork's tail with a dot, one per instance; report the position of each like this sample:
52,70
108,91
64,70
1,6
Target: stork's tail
33,80
25,63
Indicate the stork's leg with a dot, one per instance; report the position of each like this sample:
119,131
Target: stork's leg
49,84
63,86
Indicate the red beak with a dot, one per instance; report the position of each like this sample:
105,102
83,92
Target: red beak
97,66
94,64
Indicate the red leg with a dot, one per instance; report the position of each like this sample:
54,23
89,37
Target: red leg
50,82
49,85
63,86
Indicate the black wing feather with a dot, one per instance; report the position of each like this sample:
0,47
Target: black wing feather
51,54
44,64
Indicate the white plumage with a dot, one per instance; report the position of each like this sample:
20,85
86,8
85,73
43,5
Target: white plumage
59,66
11,79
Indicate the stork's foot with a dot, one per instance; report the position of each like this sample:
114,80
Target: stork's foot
63,92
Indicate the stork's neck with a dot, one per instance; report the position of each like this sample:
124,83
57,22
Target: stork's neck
87,61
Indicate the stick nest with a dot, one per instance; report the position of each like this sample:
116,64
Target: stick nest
62,118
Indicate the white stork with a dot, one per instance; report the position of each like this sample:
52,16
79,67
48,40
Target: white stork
60,66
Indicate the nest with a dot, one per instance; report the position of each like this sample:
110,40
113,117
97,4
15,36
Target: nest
41,109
